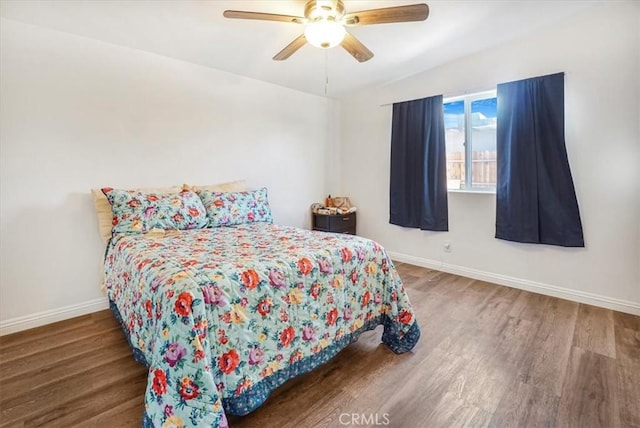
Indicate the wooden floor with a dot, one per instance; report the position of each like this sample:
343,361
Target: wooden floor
488,356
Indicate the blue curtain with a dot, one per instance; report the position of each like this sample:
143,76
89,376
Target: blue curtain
536,200
418,188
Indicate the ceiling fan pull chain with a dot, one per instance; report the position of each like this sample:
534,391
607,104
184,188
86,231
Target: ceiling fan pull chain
326,71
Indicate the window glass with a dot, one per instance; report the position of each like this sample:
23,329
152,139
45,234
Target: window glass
483,137
454,124
470,137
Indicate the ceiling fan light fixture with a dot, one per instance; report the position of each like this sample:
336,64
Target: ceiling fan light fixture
324,33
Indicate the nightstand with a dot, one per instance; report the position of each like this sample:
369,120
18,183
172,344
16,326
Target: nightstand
338,223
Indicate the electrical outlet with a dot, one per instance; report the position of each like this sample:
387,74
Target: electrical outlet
447,247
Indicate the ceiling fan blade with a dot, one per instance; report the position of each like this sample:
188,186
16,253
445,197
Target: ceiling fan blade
412,12
291,48
356,48
239,14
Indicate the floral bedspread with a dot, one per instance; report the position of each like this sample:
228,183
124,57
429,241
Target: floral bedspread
223,316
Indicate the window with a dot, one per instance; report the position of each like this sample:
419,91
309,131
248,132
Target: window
470,135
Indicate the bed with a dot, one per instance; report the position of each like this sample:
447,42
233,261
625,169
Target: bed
222,316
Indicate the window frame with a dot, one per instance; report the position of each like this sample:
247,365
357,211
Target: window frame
468,99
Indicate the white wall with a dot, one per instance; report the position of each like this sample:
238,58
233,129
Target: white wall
600,52
77,113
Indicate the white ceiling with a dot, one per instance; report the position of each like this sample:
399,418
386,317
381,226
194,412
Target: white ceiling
196,31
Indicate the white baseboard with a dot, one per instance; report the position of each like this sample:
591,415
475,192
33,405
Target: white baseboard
523,284
14,325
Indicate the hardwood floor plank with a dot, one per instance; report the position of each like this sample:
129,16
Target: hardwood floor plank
530,307
44,331
409,404
590,391
126,414
54,355
513,342
482,375
546,367
104,403
497,306
49,397
371,385
49,374
105,318
594,330
470,300
451,411
446,284
20,350
524,405
626,320
628,371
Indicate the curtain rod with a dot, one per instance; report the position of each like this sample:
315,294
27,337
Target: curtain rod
471,91
451,95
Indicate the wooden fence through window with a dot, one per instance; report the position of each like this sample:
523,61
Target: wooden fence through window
483,167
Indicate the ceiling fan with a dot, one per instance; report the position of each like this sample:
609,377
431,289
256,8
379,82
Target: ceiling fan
325,22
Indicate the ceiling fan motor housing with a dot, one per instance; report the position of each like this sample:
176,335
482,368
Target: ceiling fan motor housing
332,10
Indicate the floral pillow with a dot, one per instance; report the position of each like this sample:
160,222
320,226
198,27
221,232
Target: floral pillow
136,211
229,208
